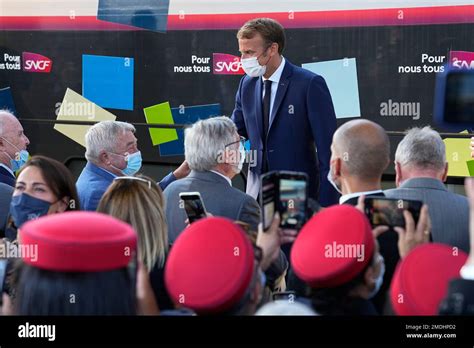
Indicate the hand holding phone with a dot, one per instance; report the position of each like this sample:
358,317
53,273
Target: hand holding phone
193,205
383,211
286,193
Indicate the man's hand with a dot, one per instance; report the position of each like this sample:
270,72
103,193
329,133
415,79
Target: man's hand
271,240
411,236
182,171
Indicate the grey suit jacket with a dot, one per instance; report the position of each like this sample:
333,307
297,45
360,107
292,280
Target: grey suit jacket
6,192
220,199
449,212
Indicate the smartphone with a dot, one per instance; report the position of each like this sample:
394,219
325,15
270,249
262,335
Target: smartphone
287,193
453,102
193,205
383,211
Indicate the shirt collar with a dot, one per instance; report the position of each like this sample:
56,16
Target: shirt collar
277,74
225,177
7,168
104,170
346,197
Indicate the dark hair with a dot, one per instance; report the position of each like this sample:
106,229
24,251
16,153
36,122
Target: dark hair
270,29
336,301
58,178
44,292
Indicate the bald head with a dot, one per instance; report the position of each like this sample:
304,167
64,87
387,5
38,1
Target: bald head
12,138
7,121
364,147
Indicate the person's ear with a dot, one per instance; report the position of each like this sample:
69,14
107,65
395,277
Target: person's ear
398,174
104,157
369,277
274,49
337,167
445,174
63,204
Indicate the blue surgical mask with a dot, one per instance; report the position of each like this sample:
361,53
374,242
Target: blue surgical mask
238,167
25,207
134,163
21,157
379,280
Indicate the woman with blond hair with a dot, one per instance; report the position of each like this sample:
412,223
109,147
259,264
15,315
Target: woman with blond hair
139,201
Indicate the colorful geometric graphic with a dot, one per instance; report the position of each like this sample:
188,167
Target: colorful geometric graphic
160,113
146,14
6,100
341,78
458,156
108,81
187,115
75,107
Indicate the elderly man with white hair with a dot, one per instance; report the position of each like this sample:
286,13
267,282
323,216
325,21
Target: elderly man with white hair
212,149
112,151
215,154
13,144
421,170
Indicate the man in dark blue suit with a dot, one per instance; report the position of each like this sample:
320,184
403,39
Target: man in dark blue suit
13,143
285,111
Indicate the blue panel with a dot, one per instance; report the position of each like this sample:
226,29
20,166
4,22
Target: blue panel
108,81
187,115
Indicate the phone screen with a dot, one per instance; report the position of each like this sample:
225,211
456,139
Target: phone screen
459,107
292,202
389,212
194,207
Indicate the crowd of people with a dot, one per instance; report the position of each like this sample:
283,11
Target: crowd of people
116,242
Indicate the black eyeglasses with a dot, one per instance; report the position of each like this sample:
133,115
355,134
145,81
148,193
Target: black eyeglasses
241,140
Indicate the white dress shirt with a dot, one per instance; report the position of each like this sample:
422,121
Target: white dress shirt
275,78
225,177
348,196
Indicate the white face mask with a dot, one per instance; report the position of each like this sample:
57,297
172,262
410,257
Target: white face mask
332,182
252,67
379,280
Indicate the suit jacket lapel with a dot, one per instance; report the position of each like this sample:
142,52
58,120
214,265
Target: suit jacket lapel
281,91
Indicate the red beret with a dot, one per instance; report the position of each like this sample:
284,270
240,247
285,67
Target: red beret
210,266
78,242
333,247
421,279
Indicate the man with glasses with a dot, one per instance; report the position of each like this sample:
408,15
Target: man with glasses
285,111
112,151
13,144
215,154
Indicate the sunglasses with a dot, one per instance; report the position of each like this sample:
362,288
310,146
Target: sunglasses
148,182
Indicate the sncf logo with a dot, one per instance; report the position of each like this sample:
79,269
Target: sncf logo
462,59
226,64
33,62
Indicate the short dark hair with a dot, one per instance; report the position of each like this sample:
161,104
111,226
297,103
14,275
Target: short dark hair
44,292
58,178
270,29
